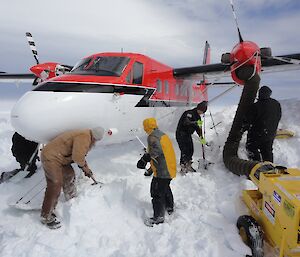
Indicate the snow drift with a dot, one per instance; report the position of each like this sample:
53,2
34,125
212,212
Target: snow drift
108,221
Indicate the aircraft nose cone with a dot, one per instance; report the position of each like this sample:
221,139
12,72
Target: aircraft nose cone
42,115
24,118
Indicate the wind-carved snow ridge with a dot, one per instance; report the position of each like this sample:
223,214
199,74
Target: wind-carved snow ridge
108,220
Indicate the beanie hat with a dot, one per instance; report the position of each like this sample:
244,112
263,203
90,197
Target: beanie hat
202,106
264,92
97,133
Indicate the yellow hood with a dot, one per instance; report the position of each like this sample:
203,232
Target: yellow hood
149,124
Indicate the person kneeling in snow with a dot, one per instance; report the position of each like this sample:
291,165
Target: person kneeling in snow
162,159
57,156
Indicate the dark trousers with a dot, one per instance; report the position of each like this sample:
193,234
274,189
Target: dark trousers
23,160
162,197
186,147
260,150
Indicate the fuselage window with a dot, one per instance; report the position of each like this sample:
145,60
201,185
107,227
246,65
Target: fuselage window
183,90
137,73
166,87
177,89
158,86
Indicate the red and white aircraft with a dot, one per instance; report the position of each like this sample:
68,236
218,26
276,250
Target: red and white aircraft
118,90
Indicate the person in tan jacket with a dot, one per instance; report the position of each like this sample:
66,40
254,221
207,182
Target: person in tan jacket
57,157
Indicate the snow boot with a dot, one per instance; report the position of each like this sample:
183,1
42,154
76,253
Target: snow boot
189,167
52,222
150,222
183,169
170,210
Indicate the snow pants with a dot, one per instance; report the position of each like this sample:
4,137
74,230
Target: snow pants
162,197
260,150
57,176
186,147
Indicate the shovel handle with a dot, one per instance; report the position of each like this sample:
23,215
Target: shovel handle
95,181
93,178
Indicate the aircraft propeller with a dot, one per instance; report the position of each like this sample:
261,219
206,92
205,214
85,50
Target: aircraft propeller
46,70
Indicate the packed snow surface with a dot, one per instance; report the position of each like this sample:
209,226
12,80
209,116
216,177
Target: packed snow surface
108,220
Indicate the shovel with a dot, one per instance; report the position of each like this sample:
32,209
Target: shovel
95,181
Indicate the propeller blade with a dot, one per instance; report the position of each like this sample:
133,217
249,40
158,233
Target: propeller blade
286,59
236,22
32,47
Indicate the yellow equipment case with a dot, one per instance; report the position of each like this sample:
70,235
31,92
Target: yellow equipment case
275,206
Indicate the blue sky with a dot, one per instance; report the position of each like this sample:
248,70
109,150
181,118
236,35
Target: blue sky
171,31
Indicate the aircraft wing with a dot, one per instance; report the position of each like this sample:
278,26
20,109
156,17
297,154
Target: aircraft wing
25,77
220,70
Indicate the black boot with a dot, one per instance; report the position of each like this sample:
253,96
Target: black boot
150,222
189,167
183,169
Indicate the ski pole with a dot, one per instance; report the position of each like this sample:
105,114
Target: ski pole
213,122
214,126
141,142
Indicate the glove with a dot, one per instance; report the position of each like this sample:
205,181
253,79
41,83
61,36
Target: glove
141,164
202,141
88,173
199,123
147,157
86,170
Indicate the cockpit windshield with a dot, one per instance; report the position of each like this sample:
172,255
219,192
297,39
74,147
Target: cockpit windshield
101,66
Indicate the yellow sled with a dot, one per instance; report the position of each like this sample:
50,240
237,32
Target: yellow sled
284,133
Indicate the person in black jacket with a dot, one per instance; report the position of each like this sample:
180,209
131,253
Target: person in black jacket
189,122
261,123
23,149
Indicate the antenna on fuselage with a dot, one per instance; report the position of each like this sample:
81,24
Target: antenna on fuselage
236,22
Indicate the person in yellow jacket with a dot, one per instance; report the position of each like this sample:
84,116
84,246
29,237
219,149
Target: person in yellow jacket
57,157
161,156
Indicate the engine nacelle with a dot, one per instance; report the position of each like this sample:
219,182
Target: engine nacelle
243,54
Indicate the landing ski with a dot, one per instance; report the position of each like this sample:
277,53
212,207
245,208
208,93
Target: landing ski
32,193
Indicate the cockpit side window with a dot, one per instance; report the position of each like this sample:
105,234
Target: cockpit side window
82,64
138,69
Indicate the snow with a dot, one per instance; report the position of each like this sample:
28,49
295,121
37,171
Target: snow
108,220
